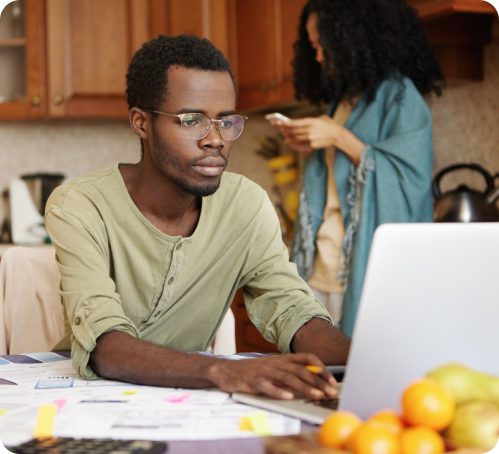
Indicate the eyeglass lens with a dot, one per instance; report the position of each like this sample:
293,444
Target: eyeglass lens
197,126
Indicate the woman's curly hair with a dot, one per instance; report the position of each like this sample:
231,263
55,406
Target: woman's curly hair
365,42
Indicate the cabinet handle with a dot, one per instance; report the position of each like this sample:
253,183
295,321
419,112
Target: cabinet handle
35,101
58,99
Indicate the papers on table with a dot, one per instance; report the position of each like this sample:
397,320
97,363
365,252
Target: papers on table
103,409
58,374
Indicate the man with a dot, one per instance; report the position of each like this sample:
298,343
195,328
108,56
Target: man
151,254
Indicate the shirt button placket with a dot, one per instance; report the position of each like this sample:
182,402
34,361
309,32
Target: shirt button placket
168,288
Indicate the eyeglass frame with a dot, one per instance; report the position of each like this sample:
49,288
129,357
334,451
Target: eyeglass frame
217,122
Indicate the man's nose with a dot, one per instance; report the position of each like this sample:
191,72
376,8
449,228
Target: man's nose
214,138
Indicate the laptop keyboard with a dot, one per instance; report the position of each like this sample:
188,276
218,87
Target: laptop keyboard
331,404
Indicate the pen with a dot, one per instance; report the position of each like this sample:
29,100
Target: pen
314,369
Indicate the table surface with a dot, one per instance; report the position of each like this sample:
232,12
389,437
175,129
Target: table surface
231,446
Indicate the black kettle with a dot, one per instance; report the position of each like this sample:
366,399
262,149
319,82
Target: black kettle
464,204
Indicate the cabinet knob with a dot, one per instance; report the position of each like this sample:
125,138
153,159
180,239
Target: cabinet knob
58,99
35,101
273,85
265,86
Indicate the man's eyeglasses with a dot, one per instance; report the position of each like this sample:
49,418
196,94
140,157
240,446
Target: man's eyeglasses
197,126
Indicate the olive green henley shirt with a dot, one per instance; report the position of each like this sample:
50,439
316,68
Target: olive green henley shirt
119,272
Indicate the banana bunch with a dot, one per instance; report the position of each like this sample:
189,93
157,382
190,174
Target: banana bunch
476,422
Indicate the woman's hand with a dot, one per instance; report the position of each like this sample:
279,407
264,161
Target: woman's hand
308,134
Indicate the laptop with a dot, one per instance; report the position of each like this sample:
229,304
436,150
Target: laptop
430,297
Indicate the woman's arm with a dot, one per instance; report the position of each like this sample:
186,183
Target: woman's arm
308,134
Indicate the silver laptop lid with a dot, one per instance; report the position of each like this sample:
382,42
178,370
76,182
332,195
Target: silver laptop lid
431,296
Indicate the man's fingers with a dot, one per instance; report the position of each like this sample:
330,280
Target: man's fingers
295,382
319,380
324,380
267,387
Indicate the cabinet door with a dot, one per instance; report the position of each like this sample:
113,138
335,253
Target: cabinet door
265,31
90,44
203,18
22,60
257,65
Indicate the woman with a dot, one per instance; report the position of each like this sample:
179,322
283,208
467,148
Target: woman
369,160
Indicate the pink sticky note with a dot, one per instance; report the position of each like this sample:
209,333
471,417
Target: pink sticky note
59,403
175,399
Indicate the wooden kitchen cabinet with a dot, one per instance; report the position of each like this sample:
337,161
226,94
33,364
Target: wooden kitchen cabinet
89,46
74,56
458,30
264,32
22,55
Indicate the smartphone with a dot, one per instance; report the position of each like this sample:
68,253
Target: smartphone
276,116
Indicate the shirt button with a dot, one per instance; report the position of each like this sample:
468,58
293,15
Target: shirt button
157,313
170,282
179,245
77,320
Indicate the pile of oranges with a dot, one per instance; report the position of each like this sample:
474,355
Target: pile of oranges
428,407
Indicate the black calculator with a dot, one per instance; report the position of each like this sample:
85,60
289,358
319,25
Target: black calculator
88,446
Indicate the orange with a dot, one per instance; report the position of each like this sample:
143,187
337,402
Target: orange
390,418
428,403
374,438
338,428
421,440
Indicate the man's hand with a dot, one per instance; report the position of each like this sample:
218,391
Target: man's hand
269,375
119,356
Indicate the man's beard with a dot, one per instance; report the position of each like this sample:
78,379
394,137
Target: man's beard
164,157
198,191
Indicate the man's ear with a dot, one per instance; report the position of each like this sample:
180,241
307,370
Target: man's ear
138,122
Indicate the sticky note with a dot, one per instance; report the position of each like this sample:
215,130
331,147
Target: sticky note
2,412
45,421
59,403
260,422
245,423
131,392
174,399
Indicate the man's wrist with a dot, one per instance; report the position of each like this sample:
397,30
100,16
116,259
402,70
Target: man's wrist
216,370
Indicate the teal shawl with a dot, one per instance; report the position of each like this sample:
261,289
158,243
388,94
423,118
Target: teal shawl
391,184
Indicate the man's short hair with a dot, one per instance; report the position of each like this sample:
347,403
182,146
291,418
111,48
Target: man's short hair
147,75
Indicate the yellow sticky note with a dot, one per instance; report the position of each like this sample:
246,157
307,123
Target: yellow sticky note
2,412
260,423
45,422
131,392
245,423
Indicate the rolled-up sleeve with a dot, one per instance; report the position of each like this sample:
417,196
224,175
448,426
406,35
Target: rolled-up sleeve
89,293
278,301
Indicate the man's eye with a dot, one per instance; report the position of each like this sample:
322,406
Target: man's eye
190,122
227,123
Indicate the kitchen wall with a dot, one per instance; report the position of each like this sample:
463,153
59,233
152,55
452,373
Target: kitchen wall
78,147
466,120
